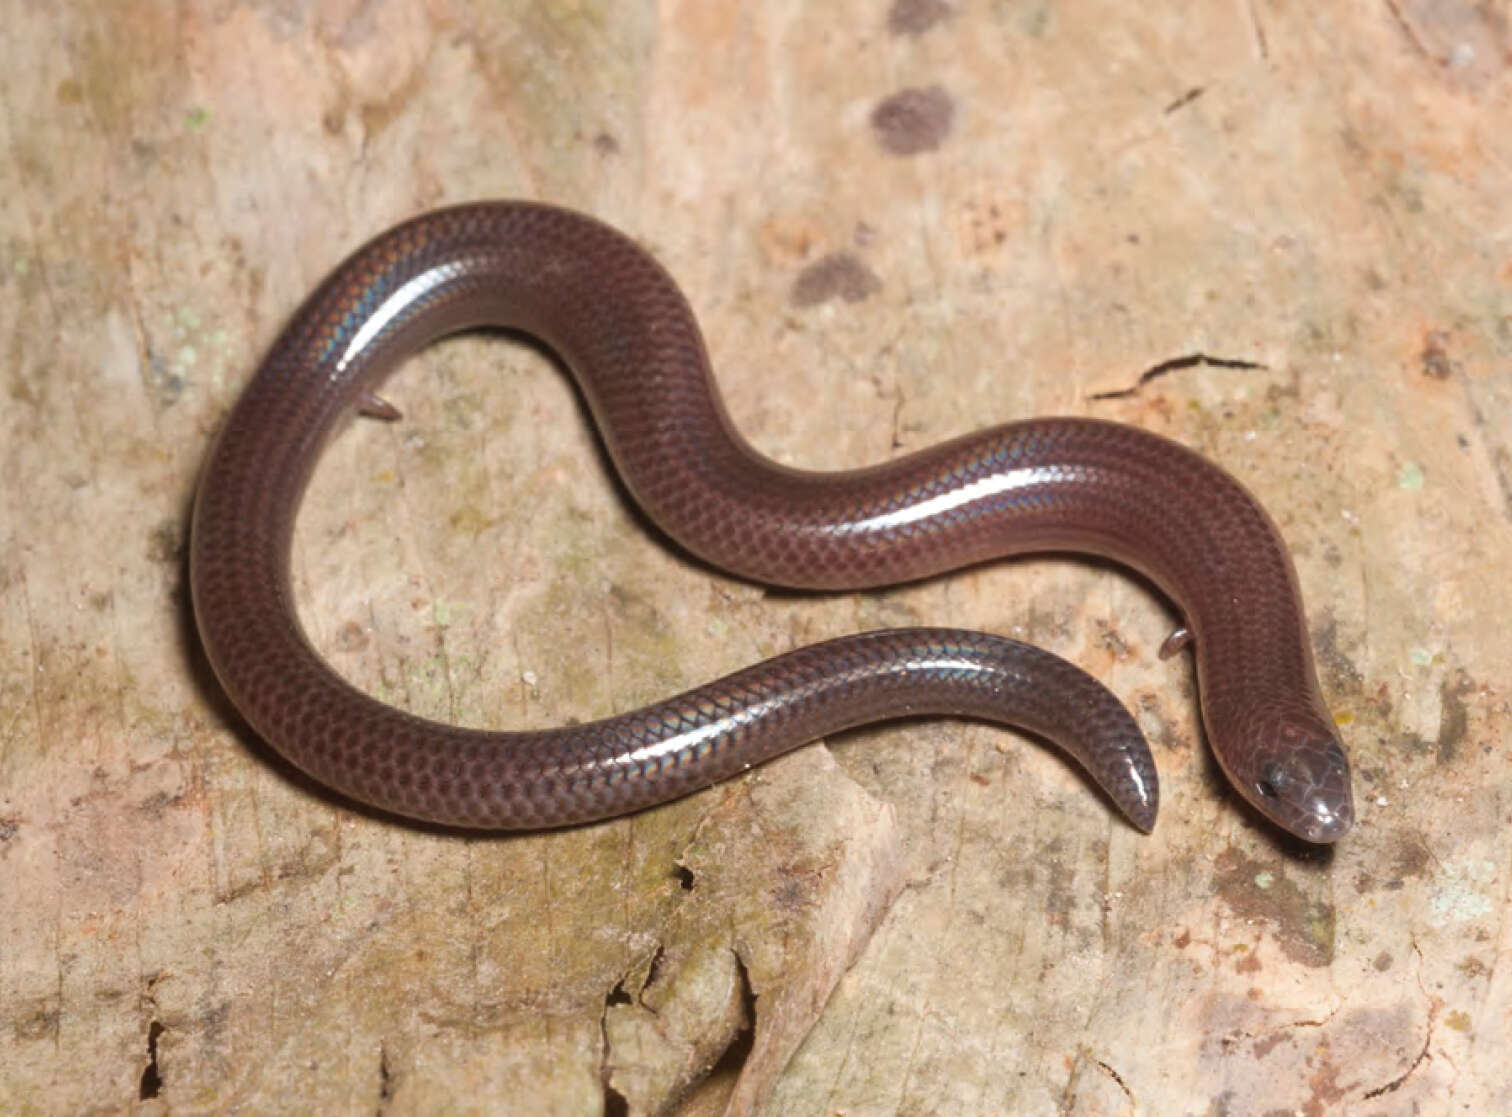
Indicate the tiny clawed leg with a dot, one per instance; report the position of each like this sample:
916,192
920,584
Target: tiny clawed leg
374,406
1175,642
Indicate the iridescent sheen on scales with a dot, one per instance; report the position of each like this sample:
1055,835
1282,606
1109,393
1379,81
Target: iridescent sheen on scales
622,326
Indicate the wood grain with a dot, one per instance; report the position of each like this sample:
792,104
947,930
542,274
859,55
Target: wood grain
897,223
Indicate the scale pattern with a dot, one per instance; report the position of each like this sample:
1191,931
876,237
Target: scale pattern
624,329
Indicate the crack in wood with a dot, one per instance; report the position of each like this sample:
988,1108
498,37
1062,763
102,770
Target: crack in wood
653,972
897,419
1259,29
1118,1078
151,1084
733,1059
1423,1055
1175,364
1401,1080
385,1079
615,1103
1410,32
1501,465
1185,99
1232,1040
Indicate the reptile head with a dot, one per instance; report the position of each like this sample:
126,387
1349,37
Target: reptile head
1291,767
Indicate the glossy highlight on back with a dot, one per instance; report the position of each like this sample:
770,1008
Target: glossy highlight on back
624,329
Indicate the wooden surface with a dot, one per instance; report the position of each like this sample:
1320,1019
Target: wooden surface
1277,231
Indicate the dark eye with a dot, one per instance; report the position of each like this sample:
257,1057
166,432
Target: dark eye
1273,780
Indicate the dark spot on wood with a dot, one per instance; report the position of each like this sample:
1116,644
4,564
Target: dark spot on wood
39,1022
605,144
1248,963
1410,859
1435,356
838,275
351,637
157,804
913,120
1304,925
385,1077
1060,897
165,542
1264,1045
914,17
790,895
151,1084
684,877
1454,716
1326,1091
1473,967
1343,676
1112,640
1383,962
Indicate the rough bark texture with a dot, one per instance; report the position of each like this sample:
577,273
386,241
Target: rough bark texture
1274,230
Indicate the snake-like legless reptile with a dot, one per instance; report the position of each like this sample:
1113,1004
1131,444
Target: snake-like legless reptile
620,323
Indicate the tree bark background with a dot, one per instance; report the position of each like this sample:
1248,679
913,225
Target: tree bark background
1275,231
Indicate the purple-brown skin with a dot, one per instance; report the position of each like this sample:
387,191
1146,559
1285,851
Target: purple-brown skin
624,329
